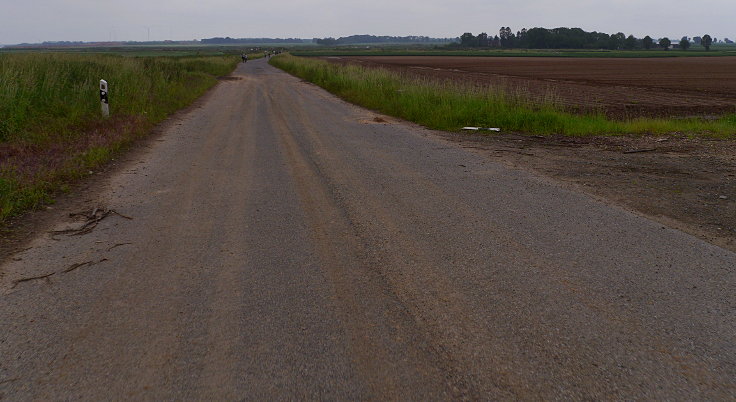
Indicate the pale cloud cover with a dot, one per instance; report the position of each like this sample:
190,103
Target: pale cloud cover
99,20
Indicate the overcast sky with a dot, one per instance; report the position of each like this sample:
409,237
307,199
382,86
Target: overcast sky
100,20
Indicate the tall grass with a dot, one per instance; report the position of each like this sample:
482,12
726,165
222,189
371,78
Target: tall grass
42,94
449,106
51,129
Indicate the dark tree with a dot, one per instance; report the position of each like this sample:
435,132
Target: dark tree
706,42
562,38
467,39
496,42
647,42
483,39
521,39
684,44
327,41
507,37
630,43
617,41
538,38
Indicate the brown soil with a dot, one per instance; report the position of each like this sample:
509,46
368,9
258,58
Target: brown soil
655,87
689,184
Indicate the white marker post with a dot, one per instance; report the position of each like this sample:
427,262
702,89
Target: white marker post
103,98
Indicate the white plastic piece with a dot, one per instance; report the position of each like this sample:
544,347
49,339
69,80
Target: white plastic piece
496,129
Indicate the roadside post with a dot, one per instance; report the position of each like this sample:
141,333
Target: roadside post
103,98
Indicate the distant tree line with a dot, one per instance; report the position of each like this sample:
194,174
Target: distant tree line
229,40
367,39
573,38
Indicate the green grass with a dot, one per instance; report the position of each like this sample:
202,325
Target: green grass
51,129
450,106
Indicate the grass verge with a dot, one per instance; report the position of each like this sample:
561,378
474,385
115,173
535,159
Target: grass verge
449,106
51,130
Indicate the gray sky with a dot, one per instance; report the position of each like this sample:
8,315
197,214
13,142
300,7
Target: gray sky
101,20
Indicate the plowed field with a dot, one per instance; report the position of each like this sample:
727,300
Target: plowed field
656,87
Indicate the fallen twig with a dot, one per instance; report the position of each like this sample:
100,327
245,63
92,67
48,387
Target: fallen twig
120,215
77,265
81,264
16,282
118,245
634,151
514,151
92,221
82,214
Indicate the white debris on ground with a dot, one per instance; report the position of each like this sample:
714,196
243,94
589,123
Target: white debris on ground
496,129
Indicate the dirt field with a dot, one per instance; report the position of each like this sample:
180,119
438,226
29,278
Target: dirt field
683,87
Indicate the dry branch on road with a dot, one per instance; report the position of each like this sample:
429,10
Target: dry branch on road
92,220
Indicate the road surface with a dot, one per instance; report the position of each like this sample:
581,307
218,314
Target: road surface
278,243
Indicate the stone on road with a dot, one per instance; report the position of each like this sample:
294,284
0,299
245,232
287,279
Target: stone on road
287,245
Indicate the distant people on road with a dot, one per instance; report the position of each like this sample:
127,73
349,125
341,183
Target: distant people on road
244,57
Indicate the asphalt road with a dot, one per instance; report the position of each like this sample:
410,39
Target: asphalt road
286,245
